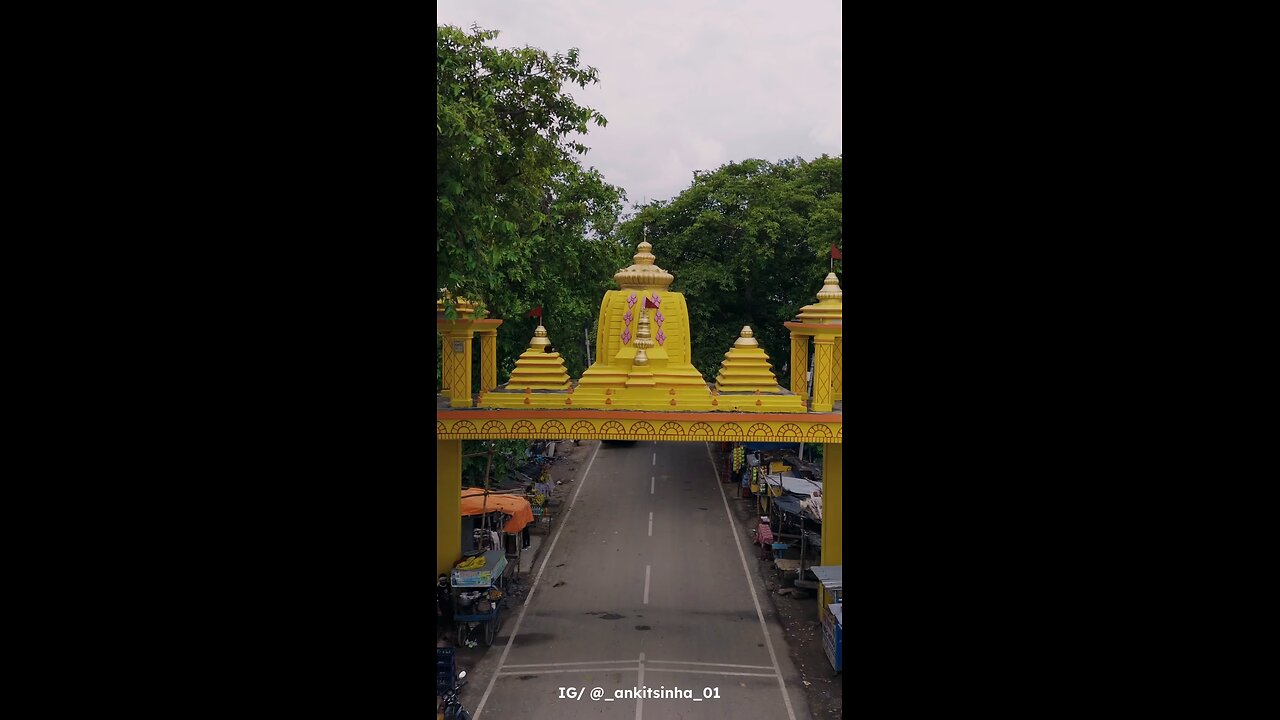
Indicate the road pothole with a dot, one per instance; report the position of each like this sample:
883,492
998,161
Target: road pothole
643,627
611,616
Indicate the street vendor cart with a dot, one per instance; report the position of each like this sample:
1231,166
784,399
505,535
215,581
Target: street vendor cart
478,597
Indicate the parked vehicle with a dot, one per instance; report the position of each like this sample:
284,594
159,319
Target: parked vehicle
453,709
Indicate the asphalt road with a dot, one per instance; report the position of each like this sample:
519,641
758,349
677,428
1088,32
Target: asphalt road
644,585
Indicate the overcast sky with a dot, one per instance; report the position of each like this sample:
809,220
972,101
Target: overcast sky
686,84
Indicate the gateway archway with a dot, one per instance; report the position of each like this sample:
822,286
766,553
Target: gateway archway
642,386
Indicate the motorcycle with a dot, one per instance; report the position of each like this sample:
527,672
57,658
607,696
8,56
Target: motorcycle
453,709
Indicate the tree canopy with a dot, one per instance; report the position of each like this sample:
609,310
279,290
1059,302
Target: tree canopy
520,222
749,244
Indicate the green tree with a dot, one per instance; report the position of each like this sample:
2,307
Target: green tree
749,244
508,455
521,222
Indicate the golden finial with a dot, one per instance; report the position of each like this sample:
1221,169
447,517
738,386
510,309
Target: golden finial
747,338
830,289
540,339
644,274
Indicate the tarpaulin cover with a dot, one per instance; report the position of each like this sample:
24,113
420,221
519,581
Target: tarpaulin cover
800,508
787,505
473,503
796,485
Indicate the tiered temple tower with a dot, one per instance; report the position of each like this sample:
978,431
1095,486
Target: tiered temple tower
746,381
538,369
643,350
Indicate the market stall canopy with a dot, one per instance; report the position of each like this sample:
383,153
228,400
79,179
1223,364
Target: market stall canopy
474,503
795,485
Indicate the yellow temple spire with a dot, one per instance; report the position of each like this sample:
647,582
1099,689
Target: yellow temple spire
746,380
745,367
829,307
538,369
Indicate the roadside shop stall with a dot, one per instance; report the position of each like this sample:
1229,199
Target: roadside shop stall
479,586
778,485
539,496
794,527
478,583
832,579
515,515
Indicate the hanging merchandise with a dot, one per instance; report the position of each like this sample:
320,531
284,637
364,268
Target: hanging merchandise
739,457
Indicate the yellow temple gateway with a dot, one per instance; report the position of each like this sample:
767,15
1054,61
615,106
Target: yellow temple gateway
643,359
642,386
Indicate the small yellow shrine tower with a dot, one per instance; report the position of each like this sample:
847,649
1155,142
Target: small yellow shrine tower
746,381
540,378
537,369
823,324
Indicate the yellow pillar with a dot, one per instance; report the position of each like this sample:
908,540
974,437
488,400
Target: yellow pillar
447,349
832,500
448,505
838,391
488,360
823,349
457,368
799,364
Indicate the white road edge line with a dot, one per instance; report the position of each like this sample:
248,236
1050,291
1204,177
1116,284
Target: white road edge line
650,523
646,584
534,588
640,700
737,541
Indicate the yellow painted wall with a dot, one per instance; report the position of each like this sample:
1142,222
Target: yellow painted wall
832,504
448,505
